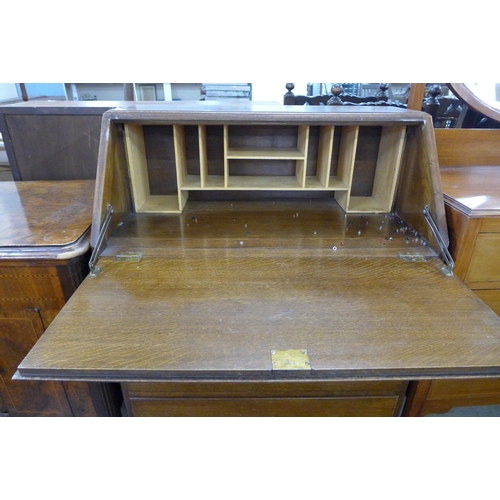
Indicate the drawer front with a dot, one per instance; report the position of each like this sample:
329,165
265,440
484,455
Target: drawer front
485,261
491,297
263,389
265,407
447,389
30,287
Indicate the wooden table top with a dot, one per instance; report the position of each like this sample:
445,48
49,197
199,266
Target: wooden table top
246,278
474,191
44,214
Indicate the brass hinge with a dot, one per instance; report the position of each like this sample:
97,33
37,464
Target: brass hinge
290,359
129,257
411,257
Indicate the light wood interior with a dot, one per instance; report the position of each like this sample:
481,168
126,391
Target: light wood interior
249,163
144,201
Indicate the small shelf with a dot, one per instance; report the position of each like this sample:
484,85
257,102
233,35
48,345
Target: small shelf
264,154
334,184
193,183
263,183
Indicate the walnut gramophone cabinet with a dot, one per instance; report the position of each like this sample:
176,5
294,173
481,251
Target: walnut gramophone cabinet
266,260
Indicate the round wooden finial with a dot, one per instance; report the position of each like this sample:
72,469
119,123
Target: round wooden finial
434,91
290,86
337,89
381,94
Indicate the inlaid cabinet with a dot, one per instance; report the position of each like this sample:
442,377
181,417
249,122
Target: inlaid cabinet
44,254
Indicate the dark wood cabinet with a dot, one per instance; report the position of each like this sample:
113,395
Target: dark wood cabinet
44,253
53,140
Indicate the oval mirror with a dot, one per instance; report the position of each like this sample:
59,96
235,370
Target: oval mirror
483,98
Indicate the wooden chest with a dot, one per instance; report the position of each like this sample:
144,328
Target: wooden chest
267,261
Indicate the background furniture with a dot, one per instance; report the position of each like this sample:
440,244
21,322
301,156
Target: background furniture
251,298
470,172
338,97
445,110
52,140
44,252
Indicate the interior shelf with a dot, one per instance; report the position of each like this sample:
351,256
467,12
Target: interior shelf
265,154
359,164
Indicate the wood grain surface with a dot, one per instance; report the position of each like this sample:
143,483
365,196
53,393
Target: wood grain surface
468,147
44,213
474,191
245,278
261,407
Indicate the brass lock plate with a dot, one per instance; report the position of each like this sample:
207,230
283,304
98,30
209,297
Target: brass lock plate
290,359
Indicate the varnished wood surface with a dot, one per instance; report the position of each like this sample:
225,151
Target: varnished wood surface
474,191
47,147
463,234
264,389
490,297
467,147
420,166
53,107
284,227
416,96
216,301
261,407
420,183
51,214
212,112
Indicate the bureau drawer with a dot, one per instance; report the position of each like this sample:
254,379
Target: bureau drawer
265,407
445,389
263,389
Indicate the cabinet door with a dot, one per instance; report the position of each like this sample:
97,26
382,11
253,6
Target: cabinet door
19,330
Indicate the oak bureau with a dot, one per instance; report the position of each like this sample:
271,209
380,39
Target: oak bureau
267,260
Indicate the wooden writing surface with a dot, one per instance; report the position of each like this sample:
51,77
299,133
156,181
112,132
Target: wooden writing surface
201,306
